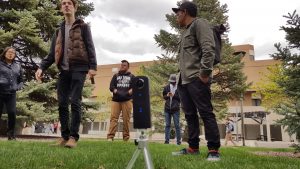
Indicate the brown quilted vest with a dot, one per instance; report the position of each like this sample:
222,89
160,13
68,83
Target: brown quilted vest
77,52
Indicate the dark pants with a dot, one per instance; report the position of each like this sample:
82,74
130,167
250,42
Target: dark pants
197,96
69,90
9,100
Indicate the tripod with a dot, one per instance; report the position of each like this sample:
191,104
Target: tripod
142,146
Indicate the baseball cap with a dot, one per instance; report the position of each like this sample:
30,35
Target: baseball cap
172,78
187,5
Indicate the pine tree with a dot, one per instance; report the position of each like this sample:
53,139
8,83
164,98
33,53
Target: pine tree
229,81
290,80
38,102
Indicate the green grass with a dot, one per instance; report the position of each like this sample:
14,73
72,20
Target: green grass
99,154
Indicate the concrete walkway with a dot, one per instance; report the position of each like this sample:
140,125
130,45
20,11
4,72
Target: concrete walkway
156,138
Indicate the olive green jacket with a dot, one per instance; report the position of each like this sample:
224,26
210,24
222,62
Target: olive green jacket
196,51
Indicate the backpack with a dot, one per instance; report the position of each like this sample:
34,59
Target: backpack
218,31
232,127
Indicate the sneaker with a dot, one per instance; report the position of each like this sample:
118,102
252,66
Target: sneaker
11,138
213,155
179,143
60,142
166,142
71,143
187,151
110,139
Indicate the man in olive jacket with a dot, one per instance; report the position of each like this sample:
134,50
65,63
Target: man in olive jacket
72,50
196,58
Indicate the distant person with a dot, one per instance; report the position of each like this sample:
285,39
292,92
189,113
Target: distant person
10,81
55,126
121,87
72,50
196,58
229,129
172,109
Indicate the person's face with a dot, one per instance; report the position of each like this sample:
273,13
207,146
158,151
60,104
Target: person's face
67,8
180,17
10,54
124,67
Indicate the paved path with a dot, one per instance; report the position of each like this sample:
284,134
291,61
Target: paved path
249,143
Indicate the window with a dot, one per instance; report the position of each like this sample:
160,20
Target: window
256,102
115,70
103,126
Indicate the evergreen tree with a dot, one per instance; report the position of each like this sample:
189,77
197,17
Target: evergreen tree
38,102
229,81
290,80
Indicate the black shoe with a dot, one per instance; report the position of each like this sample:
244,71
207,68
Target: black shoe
213,155
166,142
12,138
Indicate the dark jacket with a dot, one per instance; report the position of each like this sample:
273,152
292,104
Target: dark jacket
81,50
11,77
123,83
175,100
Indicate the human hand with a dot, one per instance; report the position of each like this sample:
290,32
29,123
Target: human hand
92,73
130,91
39,75
170,94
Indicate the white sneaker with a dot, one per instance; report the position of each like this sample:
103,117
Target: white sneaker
110,139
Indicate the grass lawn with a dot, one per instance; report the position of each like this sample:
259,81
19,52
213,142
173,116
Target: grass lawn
100,154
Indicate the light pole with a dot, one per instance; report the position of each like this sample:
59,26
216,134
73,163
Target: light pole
242,119
241,54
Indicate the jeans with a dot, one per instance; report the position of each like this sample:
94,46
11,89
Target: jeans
69,90
9,100
176,117
196,97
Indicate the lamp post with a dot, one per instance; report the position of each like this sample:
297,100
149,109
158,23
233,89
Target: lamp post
241,54
242,119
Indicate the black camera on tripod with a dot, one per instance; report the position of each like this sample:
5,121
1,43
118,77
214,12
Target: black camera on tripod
141,103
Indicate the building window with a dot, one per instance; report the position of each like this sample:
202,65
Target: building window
115,70
103,126
256,102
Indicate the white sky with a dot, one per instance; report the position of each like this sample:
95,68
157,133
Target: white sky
124,29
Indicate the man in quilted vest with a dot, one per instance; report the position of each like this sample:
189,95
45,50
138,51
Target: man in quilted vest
72,50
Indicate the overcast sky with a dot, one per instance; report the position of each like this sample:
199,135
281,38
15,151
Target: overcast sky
124,29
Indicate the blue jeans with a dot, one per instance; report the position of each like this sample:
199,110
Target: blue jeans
168,117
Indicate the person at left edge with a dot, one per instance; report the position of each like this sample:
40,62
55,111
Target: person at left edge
11,80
